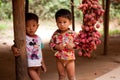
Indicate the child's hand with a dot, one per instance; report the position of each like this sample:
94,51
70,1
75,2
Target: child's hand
15,51
59,47
43,67
70,46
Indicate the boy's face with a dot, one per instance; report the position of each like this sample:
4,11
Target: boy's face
63,23
31,27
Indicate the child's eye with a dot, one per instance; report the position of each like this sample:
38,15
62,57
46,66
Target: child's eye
65,22
59,22
34,25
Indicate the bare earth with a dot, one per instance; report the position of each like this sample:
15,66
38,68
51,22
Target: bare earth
86,68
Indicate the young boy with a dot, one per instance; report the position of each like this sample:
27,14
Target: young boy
63,42
33,47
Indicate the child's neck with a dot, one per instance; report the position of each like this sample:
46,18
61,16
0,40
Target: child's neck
31,35
64,31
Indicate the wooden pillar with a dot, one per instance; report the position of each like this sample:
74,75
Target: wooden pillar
106,26
26,6
103,4
72,10
20,39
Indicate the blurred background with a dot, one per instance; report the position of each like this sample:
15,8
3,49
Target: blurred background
46,9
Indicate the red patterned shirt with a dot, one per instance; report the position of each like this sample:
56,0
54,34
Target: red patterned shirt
67,38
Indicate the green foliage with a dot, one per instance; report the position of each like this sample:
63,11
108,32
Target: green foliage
5,9
114,11
47,8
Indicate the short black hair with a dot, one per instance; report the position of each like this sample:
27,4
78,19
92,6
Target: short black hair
30,16
63,13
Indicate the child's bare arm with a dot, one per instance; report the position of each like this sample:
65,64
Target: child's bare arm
43,67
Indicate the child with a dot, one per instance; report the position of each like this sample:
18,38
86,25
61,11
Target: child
33,47
63,42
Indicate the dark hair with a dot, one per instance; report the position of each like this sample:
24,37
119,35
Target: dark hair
63,13
30,16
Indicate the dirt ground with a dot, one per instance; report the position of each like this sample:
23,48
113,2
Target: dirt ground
86,68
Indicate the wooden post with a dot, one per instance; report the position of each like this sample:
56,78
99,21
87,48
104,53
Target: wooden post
27,6
106,26
103,4
72,10
20,39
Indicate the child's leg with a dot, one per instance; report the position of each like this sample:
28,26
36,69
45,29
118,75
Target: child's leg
61,70
33,72
70,68
38,71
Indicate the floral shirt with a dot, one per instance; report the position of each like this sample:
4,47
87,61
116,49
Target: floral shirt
67,38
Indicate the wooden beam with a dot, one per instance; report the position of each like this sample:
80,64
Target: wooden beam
106,26
20,39
72,10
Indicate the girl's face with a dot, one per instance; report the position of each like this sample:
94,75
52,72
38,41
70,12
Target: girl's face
63,23
31,27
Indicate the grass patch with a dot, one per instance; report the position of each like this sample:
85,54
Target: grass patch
113,32
3,26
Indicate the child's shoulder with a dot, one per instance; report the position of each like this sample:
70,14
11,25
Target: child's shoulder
35,36
56,31
71,31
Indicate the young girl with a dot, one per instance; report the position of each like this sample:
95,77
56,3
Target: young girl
63,42
33,47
